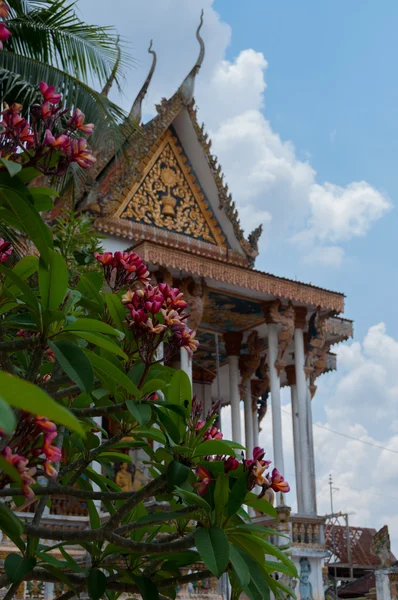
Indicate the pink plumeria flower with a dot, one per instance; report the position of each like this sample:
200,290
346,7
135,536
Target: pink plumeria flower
49,94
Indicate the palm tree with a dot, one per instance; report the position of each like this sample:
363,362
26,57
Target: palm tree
50,43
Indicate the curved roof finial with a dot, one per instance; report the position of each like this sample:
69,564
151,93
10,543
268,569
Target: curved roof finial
136,110
188,85
107,87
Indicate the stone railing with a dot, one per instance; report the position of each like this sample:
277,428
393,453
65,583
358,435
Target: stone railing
308,531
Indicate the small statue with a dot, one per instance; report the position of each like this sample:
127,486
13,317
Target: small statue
284,317
305,585
196,294
381,547
250,362
124,478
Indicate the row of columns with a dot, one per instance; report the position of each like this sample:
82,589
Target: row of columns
300,400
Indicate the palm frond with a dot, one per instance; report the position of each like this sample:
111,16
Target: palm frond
50,31
19,77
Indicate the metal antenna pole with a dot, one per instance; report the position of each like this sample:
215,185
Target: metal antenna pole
333,538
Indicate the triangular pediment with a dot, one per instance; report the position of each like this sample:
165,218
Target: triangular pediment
169,196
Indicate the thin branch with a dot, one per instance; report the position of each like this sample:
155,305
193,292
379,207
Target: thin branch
16,345
73,389
86,535
66,490
35,363
98,411
85,461
150,489
13,589
151,547
188,510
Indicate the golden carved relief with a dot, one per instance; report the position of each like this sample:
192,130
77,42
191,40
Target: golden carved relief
169,197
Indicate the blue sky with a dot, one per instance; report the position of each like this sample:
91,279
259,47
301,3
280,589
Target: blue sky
332,91
300,100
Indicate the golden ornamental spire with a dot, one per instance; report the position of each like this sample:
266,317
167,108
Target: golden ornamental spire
136,110
112,76
188,85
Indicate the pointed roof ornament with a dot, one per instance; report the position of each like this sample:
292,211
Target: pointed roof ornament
136,110
188,85
112,76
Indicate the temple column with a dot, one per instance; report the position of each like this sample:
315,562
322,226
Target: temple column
255,429
302,409
233,341
291,378
249,443
311,448
275,387
186,363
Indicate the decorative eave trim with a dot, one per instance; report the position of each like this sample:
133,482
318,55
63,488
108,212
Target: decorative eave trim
138,233
301,293
250,245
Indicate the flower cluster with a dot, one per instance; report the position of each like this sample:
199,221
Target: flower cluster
48,141
4,32
39,433
257,468
230,464
210,434
157,315
122,268
5,250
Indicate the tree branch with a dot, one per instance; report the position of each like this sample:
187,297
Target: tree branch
98,411
83,461
150,489
73,389
132,526
151,547
21,344
12,590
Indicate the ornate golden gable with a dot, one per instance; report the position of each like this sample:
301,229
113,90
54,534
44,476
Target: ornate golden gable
168,197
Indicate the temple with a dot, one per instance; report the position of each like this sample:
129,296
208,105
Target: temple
166,198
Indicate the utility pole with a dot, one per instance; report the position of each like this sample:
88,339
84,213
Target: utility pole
333,538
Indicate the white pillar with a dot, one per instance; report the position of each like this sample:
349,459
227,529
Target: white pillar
296,445
207,399
301,384
248,419
186,363
96,465
234,395
275,396
311,449
255,428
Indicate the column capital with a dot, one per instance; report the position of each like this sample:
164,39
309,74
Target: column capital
268,310
233,342
290,371
300,313
202,376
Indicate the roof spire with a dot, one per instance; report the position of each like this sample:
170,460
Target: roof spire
188,85
136,110
112,76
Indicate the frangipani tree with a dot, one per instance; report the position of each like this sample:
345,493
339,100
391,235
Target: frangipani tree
73,348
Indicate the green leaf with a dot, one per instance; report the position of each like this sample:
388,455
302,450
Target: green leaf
148,589
24,269
7,418
239,565
272,550
221,492
262,505
30,220
177,474
257,589
151,434
99,340
12,167
180,390
107,372
84,324
27,295
153,385
171,515
53,280
214,447
249,545
75,363
95,521
142,413
11,525
168,424
115,457
96,583
16,567
192,499
213,547
10,470
30,398
237,495
266,531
